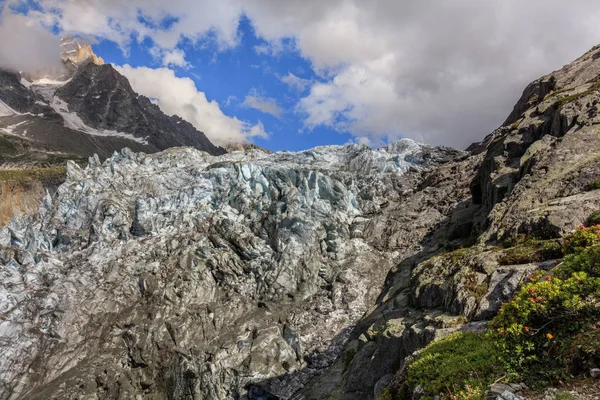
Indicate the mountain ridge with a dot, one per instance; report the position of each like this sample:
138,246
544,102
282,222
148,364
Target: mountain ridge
88,108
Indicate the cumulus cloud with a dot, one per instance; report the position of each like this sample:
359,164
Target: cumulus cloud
25,45
180,96
263,104
169,58
445,72
295,82
437,71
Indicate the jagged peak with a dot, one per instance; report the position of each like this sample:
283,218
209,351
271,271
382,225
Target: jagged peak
76,51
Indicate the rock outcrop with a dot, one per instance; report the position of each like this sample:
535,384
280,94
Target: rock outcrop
536,175
538,164
74,52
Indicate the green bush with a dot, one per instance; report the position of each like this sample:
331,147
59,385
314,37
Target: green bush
548,331
461,365
551,250
593,185
583,352
586,260
513,241
542,319
593,219
582,237
531,251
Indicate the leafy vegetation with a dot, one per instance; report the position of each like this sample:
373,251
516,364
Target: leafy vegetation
462,365
531,251
582,237
593,185
548,332
593,219
26,176
539,324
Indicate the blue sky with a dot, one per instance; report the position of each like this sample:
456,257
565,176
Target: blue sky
300,73
229,76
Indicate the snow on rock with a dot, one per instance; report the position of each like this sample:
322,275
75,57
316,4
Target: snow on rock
73,121
6,111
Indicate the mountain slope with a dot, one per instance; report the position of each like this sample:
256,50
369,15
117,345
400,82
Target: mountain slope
533,180
104,100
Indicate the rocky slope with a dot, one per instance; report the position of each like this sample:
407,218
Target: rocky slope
300,276
536,175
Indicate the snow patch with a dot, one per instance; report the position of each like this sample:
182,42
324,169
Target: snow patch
25,83
11,128
73,121
5,110
50,82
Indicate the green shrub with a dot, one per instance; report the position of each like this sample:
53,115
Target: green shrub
513,241
593,185
461,365
586,260
7,148
583,352
551,250
543,318
549,331
386,395
593,219
531,251
582,237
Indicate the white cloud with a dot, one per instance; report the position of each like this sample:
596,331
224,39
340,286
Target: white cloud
263,104
274,47
295,82
180,96
263,49
175,58
443,71
25,45
230,100
169,58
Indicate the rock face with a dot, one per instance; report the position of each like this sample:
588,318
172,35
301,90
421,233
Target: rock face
537,165
302,276
74,52
105,101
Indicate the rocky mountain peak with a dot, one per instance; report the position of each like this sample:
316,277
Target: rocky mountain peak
84,109
75,51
